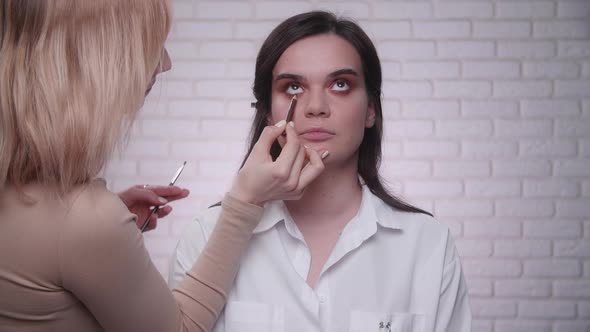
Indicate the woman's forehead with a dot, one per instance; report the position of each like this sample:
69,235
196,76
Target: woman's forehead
323,53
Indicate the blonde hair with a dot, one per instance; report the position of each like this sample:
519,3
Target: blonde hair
73,74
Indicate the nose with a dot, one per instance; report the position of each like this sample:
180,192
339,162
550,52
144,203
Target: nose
317,105
165,63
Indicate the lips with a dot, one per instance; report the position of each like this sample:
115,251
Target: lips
316,134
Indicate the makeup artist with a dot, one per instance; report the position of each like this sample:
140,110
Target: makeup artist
73,74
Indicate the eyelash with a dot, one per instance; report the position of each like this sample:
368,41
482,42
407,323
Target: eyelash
338,81
289,85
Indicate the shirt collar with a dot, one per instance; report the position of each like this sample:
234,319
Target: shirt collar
274,212
386,216
372,211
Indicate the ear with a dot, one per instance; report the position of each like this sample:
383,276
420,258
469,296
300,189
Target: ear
370,117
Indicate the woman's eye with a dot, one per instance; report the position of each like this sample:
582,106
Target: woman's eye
340,85
294,89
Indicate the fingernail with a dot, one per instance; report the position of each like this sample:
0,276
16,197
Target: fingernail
292,124
280,123
162,200
325,154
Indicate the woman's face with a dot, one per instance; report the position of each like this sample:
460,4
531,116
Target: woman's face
333,110
164,66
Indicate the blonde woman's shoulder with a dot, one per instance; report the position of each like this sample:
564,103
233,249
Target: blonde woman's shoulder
94,209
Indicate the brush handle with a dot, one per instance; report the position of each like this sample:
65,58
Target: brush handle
147,220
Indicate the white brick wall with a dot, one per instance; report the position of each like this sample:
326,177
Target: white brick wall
487,124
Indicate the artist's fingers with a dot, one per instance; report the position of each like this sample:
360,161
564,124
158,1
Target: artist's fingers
164,211
290,148
267,137
314,167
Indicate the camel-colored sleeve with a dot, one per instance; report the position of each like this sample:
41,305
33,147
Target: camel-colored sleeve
104,263
213,273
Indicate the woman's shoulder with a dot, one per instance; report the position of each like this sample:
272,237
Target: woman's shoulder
94,197
92,207
410,222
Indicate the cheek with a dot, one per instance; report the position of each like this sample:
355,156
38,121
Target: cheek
270,119
354,110
272,116
354,120
279,106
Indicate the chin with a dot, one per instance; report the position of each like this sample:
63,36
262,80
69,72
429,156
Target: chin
317,146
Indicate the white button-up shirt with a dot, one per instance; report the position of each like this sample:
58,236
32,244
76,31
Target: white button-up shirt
389,271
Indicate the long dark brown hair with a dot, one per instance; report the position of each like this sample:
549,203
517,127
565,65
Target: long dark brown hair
316,23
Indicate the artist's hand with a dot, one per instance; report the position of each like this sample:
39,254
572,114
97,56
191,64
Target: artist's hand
140,199
262,179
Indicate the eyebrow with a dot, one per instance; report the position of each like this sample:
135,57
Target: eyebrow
285,76
345,71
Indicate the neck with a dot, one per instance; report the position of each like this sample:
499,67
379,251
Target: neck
334,193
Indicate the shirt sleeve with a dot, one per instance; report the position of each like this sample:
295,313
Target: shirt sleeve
454,312
195,236
189,247
105,264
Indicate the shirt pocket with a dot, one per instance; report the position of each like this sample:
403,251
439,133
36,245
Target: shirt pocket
363,321
253,317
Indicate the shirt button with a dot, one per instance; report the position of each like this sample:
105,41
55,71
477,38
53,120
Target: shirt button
322,298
